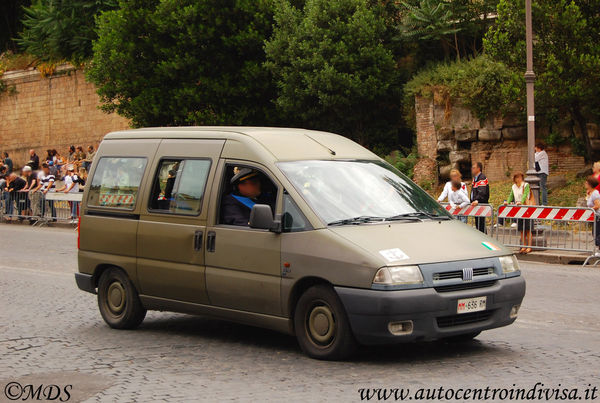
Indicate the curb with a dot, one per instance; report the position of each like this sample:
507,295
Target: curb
554,257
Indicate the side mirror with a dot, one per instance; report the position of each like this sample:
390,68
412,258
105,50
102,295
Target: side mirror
261,217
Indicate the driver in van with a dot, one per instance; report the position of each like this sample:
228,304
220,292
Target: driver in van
247,191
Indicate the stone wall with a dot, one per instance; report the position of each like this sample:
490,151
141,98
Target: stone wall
53,112
450,136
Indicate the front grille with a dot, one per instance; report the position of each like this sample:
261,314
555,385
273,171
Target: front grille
464,319
457,274
465,286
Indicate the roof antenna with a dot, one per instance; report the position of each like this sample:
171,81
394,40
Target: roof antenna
321,144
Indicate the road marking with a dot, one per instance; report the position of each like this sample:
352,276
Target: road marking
36,271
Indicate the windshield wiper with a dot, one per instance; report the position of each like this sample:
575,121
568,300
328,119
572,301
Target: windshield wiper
357,220
418,215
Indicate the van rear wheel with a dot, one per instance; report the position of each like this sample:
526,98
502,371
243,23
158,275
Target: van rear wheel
118,300
321,325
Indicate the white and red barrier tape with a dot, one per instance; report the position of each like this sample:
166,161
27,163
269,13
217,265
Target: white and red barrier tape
481,210
546,213
112,199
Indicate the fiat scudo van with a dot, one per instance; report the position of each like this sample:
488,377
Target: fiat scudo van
332,245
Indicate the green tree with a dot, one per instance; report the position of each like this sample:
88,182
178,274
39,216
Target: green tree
182,62
333,69
566,56
56,30
457,26
11,13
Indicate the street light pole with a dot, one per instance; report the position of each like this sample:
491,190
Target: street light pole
532,176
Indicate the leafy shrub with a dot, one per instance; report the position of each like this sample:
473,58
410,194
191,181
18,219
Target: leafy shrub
57,30
404,161
485,86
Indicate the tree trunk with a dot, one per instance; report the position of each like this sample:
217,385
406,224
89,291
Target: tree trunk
581,122
456,47
446,49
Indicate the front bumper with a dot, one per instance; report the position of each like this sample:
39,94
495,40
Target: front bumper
370,311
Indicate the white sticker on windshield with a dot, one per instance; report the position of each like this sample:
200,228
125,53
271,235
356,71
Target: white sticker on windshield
393,255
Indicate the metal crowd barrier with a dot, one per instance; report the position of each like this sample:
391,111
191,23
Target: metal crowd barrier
552,228
480,216
38,208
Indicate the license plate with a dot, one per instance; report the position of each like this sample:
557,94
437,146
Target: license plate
467,305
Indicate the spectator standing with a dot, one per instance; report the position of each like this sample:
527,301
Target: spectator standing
71,158
49,156
456,192
596,172
8,162
79,154
45,184
71,185
480,192
59,161
520,194
89,158
4,186
593,202
31,180
15,185
34,160
543,170
455,178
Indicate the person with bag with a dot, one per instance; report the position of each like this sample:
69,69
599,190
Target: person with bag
521,194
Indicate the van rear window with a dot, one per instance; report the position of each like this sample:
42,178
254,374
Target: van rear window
116,182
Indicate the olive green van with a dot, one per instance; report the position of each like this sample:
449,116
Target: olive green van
339,249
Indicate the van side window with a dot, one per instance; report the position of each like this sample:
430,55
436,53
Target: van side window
178,186
232,210
293,220
116,182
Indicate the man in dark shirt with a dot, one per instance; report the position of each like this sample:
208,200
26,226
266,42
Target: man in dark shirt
15,184
34,160
7,161
236,207
480,192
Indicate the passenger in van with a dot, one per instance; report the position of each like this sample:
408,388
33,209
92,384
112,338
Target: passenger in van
247,191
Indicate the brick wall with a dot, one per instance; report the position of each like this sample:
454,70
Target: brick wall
52,112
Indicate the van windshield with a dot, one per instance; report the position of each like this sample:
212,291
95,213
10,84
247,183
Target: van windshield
351,192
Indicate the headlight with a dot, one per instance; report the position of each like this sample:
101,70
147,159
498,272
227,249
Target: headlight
509,264
398,275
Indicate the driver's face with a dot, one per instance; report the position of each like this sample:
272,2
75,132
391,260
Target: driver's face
250,188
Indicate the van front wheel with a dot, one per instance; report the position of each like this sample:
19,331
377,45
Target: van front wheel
321,325
118,301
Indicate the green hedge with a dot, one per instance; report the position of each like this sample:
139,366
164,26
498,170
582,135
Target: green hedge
485,86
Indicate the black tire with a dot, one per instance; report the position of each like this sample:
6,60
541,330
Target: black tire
118,300
462,338
321,325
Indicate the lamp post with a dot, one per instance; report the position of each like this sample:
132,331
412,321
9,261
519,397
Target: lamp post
531,176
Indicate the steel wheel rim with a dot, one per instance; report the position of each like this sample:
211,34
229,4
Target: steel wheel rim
320,324
115,298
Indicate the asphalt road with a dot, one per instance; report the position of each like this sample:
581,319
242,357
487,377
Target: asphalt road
52,334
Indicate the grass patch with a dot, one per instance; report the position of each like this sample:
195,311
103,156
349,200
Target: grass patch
19,61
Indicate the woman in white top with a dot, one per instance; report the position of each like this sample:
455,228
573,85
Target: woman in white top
456,192
520,194
456,178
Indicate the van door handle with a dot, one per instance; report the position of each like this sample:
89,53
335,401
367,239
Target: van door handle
198,240
211,240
